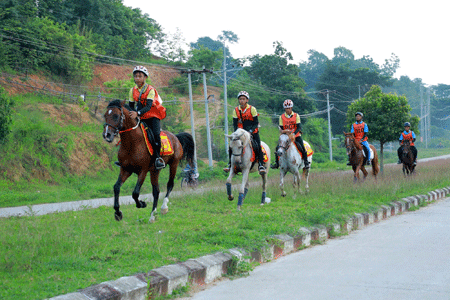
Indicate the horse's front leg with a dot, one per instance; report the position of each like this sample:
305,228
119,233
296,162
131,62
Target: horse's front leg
123,176
228,184
297,180
356,175
363,169
137,189
282,174
155,192
242,188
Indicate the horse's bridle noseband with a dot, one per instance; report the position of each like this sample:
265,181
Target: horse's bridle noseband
241,147
119,128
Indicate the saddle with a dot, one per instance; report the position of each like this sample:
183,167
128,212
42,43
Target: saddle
254,158
166,145
308,149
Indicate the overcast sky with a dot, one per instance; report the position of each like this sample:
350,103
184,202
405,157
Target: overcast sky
416,31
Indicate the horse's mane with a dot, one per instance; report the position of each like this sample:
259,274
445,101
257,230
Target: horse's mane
357,143
118,104
243,135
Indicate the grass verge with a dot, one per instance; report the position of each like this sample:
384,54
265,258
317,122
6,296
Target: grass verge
45,256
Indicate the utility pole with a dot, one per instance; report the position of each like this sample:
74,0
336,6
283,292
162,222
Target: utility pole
225,101
191,110
428,117
329,124
422,133
208,133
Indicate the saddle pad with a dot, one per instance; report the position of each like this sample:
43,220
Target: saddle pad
266,158
166,146
309,150
371,152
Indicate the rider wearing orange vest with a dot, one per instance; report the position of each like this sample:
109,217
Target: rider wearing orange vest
360,129
289,122
246,117
407,135
148,109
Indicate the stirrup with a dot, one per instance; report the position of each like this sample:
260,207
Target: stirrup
117,163
159,163
349,163
262,170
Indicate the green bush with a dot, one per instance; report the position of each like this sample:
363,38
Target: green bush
6,105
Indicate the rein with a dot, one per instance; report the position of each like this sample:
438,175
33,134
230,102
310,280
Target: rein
117,130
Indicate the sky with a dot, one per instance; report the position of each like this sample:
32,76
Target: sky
415,31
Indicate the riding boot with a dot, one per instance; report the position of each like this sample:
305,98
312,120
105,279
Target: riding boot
305,157
276,164
228,167
159,162
262,169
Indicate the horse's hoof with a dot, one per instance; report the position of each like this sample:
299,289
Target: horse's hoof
230,197
283,194
238,208
141,204
164,211
152,219
118,215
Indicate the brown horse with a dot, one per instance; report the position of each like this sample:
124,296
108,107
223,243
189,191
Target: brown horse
407,158
134,156
355,153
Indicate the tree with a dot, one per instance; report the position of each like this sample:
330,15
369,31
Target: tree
5,115
172,49
384,114
274,72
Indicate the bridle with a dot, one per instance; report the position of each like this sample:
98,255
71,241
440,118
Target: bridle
241,147
350,145
118,128
287,145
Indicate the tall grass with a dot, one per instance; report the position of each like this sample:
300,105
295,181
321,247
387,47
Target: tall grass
44,256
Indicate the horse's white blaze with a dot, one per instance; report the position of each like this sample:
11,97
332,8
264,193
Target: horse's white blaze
109,111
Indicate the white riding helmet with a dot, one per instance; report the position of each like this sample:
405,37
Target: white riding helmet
243,93
288,103
140,69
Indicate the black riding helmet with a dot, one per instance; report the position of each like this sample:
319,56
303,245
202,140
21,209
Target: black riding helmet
407,124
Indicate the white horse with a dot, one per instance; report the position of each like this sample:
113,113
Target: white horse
290,160
240,144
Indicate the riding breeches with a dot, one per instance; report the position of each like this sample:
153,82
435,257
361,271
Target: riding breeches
154,127
413,150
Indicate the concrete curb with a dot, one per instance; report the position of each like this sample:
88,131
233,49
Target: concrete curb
206,269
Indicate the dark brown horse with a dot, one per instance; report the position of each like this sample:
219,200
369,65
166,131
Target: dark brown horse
407,158
355,153
134,156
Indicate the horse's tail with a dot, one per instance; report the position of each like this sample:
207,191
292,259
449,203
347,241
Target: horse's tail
188,145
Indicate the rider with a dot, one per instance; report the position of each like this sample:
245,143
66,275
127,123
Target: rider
360,129
148,109
290,123
407,135
246,117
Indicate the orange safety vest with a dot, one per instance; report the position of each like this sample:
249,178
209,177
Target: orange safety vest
408,137
243,116
358,129
157,110
290,123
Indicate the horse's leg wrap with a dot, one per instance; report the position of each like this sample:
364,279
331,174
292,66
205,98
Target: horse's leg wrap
263,197
241,199
228,188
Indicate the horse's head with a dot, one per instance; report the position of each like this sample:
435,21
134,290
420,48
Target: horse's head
406,146
284,142
350,142
238,140
114,120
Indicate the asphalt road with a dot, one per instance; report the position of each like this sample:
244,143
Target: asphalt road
404,257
